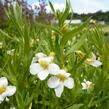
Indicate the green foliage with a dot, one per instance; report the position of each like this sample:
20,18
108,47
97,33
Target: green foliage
75,106
64,40
99,16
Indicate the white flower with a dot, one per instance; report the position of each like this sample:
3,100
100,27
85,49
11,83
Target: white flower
86,84
44,67
59,81
11,52
94,63
5,90
91,61
1,44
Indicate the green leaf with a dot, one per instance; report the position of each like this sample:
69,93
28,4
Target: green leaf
49,27
57,49
75,47
5,34
58,15
99,101
66,12
51,6
15,18
75,106
8,36
19,99
67,36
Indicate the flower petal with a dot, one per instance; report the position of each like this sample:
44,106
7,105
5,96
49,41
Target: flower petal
54,69
10,90
53,82
95,63
40,55
1,99
69,83
7,99
11,52
84,86
63,72
93,56
59,90
88,83
35,68
12,107
43,74
67,74
37,56
3,81
46,59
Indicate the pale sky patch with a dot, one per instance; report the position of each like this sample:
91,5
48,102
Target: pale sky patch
79,6
57,6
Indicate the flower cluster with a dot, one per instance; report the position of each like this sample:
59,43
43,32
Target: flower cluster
5,89
42,66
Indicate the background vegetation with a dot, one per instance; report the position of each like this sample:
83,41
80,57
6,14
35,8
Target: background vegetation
29,37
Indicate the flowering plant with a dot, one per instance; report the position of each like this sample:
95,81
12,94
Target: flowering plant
56,66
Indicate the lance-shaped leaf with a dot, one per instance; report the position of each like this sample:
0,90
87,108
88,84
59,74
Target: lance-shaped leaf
51,6
75,106
76,46
67,36
66,12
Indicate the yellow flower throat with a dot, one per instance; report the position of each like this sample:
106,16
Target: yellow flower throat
88,61
44,64
61,77
2,89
